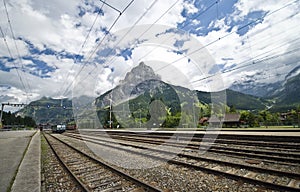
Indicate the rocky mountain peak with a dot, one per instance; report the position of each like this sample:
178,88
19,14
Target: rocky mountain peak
139,74
135,82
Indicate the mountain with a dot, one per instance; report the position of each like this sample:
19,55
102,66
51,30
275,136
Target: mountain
132,102
142,98
48,110
254,85
289,97
251,87
133,84
239,100
133,97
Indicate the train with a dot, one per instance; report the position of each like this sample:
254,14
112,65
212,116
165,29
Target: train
71,126
60,128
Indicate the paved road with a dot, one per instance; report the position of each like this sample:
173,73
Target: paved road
12,147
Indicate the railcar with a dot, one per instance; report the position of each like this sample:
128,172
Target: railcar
58,128
71,126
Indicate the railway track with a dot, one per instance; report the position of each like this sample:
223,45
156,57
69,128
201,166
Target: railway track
270,178
286,156
54,176
91,173
271,155
280,142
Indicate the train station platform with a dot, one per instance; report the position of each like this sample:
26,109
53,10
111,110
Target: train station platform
20,164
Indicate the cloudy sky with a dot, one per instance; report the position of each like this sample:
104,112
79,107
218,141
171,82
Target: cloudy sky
82,47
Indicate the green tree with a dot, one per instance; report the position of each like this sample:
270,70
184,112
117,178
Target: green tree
268,118
232,109
172,121
294,117
249,118
29,122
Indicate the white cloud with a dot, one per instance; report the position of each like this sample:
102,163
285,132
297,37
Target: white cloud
57,25
273,36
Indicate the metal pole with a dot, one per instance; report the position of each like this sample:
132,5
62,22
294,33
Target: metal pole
1,115
298,115
110,113
140,119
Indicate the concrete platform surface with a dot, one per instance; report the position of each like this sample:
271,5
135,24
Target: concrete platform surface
29,174
12,147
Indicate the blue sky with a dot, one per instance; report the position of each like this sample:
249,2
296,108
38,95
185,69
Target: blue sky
47,46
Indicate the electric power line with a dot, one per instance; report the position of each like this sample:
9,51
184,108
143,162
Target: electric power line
17,49
261,60
161,16
242,27
97,47
223,37
136,22
10,54
81,48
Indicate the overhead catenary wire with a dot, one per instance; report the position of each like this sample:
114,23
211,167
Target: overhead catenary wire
145,31
249,24
254,60
242,27
97,47
156,21
152,4
224,36
239,28
213,42
259,61
104,2
81,48
17,50
128,31
10,54
274,40
179,28
136,22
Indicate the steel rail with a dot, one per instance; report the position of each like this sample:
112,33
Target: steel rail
122,174
210,170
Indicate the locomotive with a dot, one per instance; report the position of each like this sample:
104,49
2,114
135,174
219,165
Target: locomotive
58,128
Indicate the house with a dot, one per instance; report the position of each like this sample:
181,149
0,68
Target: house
203,121
229,120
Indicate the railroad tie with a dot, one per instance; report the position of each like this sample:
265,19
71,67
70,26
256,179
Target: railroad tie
250,175
218,168
271,179
232,171
294,183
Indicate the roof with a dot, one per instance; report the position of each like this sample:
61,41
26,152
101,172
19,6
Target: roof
229,117
203,120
